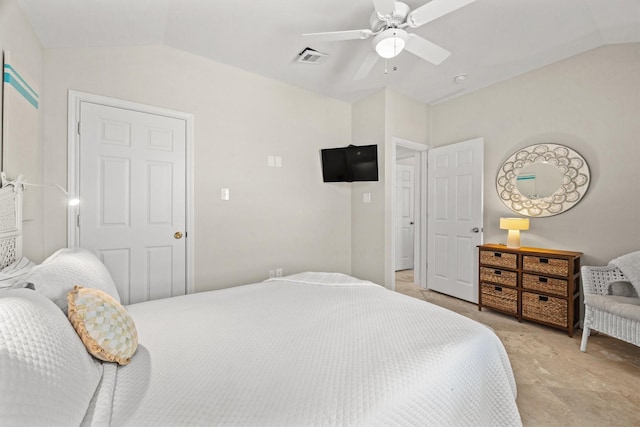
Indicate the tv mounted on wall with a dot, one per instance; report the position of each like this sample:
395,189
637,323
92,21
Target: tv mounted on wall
349,164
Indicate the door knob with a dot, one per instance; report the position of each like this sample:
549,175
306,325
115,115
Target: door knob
177,235
475,230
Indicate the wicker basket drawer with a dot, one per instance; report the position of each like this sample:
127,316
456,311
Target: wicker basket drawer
499,259
503,277
548,285
559,267
544,308
505,299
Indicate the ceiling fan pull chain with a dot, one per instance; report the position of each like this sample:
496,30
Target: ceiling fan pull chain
386,61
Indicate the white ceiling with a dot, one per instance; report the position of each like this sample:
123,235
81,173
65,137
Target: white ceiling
490,40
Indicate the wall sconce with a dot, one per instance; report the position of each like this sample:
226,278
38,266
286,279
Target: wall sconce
71,200
514,225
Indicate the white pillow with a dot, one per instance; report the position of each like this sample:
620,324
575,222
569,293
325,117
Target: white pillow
59,273
46,375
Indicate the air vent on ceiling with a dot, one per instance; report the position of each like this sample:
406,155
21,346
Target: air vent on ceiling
311,56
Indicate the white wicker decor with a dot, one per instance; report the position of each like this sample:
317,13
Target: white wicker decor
8,253
595,281
10,224
8,213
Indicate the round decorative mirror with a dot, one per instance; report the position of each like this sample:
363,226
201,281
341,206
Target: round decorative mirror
543,180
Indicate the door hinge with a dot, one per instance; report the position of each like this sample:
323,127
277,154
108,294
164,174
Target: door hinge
78,128
186,234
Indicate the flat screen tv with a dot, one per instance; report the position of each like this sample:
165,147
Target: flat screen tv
349,164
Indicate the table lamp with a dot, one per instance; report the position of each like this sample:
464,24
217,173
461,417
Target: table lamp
514,225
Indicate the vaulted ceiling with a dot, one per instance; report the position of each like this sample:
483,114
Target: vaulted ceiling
489,40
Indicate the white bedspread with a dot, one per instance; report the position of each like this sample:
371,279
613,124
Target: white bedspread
282,353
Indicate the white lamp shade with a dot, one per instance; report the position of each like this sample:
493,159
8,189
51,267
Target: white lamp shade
390,43
514,223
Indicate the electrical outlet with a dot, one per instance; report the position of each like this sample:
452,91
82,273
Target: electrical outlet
278,272
272,274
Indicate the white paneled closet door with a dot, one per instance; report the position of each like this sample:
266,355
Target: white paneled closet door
133,198
405,213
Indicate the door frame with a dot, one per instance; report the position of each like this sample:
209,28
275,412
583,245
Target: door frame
420,230
73,162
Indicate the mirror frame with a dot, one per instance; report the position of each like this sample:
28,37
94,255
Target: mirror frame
575,182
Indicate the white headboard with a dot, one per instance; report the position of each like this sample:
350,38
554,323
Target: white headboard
10,224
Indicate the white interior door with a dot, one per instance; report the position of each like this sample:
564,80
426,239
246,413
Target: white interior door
405,211
133,198
454,179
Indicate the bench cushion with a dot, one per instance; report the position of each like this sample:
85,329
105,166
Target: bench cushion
626,307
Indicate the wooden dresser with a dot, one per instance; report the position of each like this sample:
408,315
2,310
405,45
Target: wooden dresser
540,285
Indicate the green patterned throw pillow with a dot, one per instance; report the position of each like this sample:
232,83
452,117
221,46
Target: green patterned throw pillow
104,326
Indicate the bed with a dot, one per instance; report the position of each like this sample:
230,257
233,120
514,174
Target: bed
307,349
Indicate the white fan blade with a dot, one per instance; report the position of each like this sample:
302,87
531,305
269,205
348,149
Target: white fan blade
434,10
340,35
366,66
426,50
384,7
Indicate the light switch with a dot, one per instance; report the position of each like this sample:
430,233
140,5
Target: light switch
278,161
224,194
271,162
366,197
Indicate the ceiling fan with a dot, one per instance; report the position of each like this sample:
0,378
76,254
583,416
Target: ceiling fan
388,23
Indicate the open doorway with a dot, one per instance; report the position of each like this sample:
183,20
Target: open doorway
408,203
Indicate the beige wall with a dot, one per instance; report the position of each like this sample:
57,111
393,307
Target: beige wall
590,102
25,157
376,120
367,219
276,217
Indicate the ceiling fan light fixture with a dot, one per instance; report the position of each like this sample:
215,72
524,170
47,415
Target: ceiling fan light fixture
390,43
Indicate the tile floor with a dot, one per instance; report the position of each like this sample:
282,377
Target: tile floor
558,385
